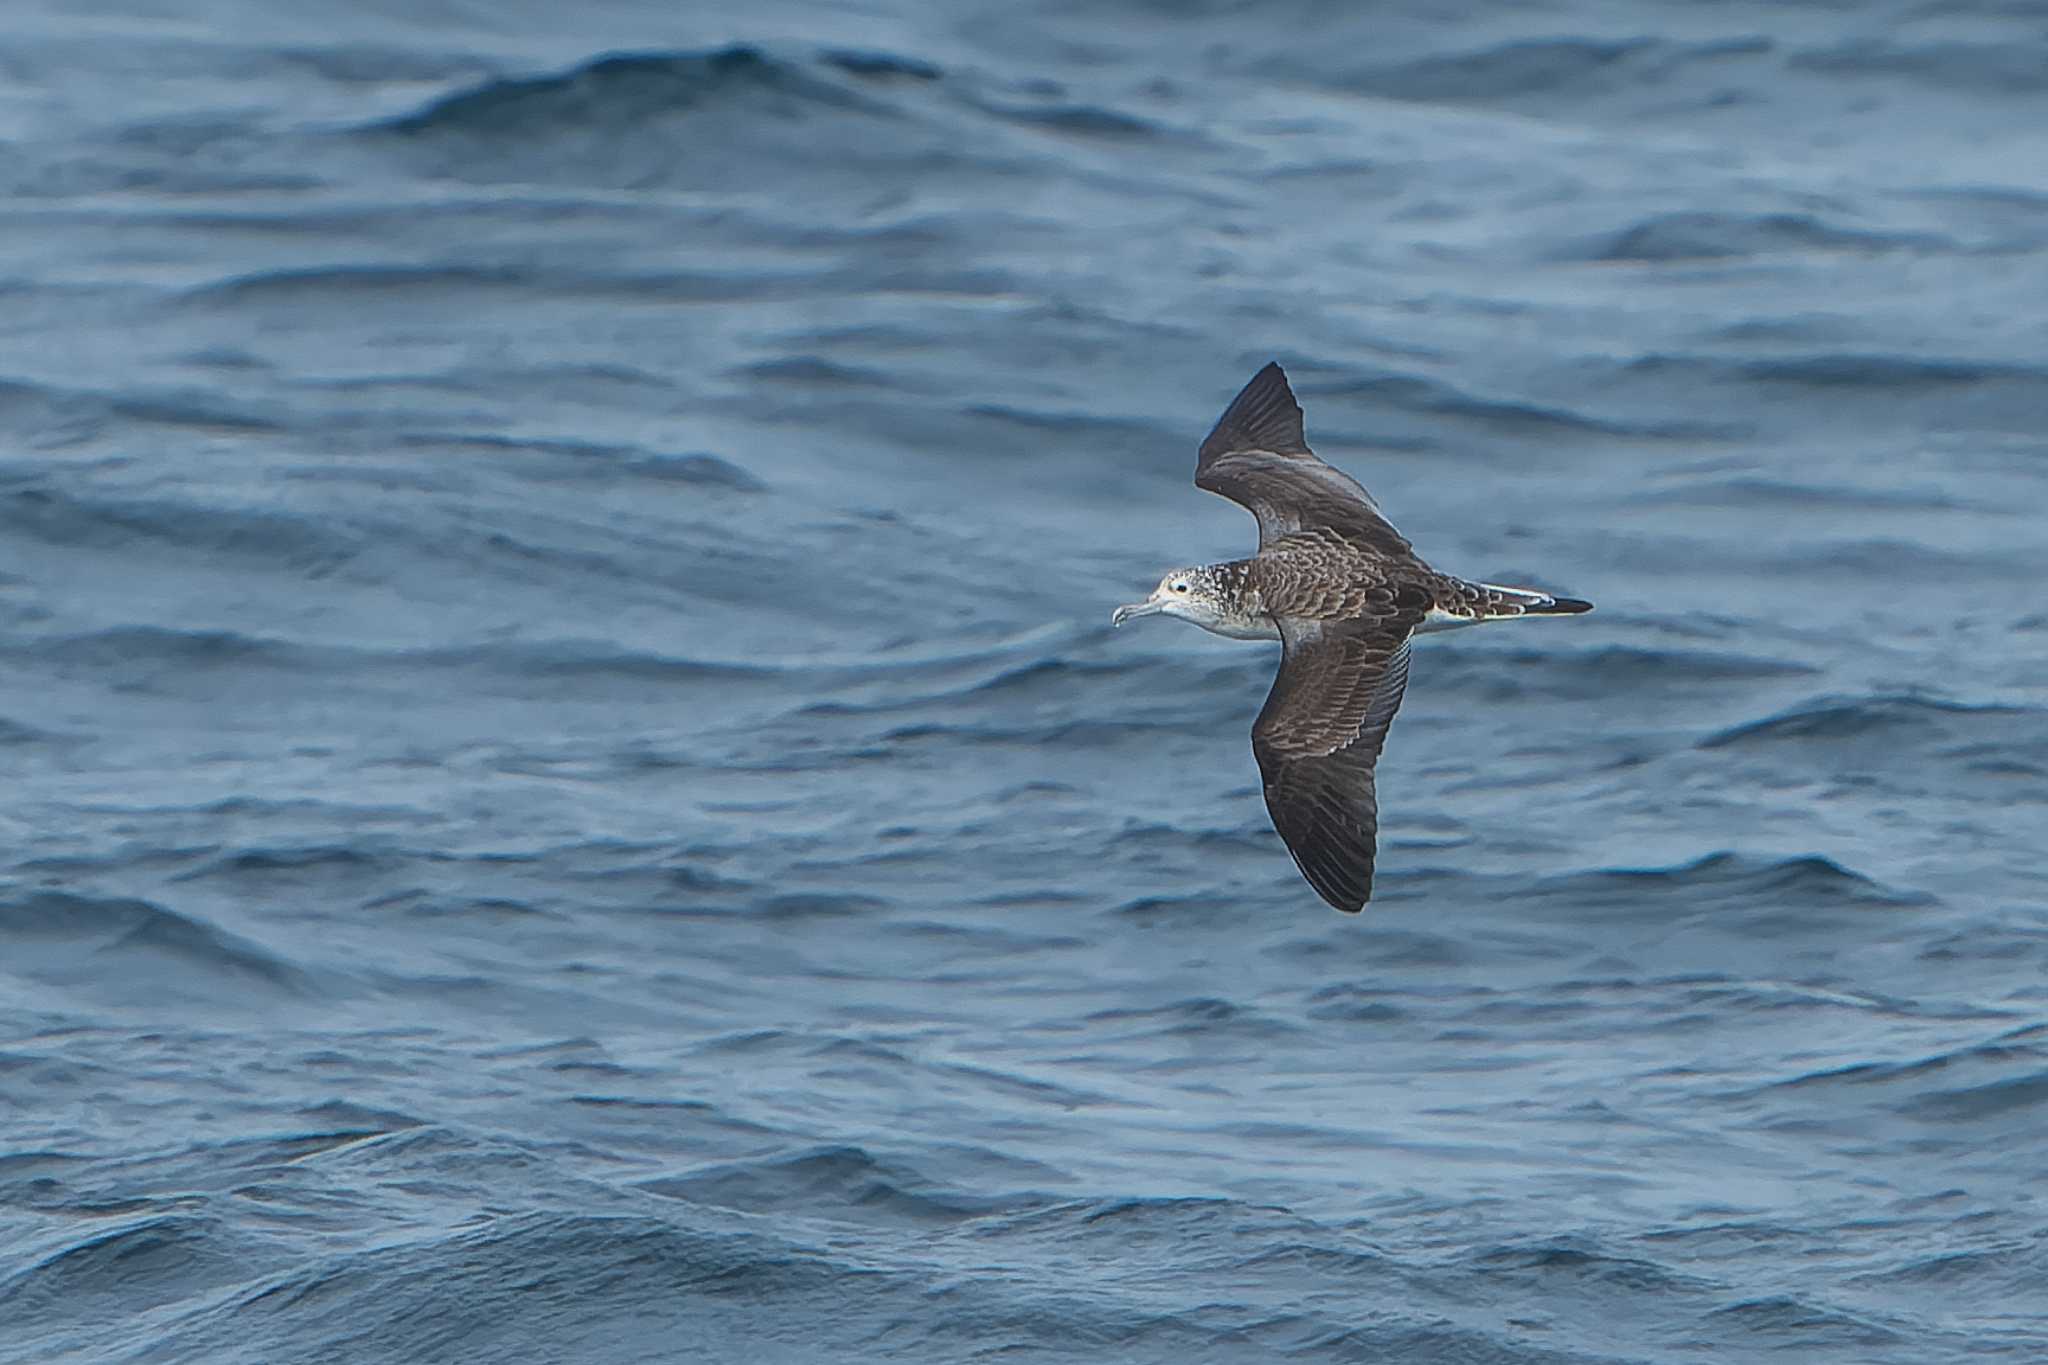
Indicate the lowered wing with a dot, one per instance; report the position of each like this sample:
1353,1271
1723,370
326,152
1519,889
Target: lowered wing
1318,739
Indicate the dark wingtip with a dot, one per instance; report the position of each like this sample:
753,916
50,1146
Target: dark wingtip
1349,899
1263,416
1345,887
1563,606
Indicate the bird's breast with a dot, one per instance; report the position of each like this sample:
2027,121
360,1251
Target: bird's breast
1250,628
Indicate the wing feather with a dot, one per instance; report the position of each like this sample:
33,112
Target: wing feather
1257,455
1263,416
1317,742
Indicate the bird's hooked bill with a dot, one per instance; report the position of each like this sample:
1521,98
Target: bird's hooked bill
1132,610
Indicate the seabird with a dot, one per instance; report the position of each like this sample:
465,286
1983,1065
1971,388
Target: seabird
1343,592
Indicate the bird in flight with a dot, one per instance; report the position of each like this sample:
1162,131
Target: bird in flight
1343,592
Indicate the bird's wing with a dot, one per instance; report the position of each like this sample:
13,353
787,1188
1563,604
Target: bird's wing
1258,456
1318,738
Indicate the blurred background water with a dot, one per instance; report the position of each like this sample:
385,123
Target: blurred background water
570,793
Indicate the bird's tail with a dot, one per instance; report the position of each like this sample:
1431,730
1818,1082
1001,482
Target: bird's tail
1496,603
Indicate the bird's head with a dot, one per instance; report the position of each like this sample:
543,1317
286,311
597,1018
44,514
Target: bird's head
1191,594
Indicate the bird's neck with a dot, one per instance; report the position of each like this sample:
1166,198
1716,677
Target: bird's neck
1244,618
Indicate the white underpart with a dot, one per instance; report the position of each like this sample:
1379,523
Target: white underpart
1261,629
1217,624
1439,619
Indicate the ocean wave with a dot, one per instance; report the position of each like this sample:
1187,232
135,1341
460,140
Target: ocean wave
809,905
1508,71
2006,1074
58,416
1223,1233
1829,371
1904,558
1765,885
1350,1003
1991,1276
2023,1095
1086,121
1785,1319
1199,1016
253,871
177,655
1637,673
284,539
621,1285
953,939
133,1267
1703,235
622,90
1861,389
1783,494
1542,72
602,1270
599,462
1097,736
1893,374
15,735
49,414
419,286
1565,1266
1436,398
129,945
840,1182
810,371
1973,68
704,120
1184,914
882,66
1886,726
431,290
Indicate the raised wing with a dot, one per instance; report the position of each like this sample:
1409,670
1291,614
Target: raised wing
1258,456
1318,738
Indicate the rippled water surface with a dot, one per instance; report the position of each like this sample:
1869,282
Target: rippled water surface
571,795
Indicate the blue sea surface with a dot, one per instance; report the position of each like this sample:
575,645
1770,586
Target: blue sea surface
571,795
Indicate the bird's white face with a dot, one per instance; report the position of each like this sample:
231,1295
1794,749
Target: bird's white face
1189,594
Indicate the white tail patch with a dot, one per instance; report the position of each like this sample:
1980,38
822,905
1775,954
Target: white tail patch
1521,597
1439,619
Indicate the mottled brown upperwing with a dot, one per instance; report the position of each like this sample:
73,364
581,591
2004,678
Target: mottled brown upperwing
1257,455
1321,732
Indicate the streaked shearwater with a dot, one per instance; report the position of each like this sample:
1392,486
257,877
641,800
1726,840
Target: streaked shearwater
1343,592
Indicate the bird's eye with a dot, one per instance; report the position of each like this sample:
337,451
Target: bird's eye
1180,587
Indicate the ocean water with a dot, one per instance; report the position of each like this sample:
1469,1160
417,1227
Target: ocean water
571,796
